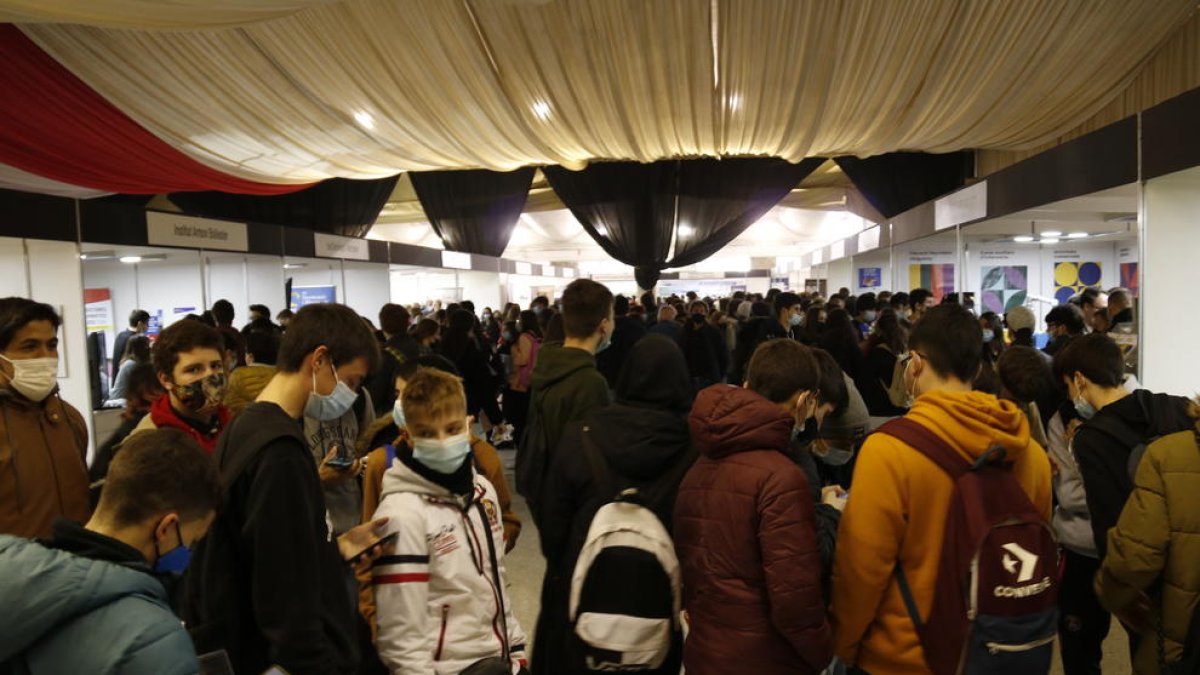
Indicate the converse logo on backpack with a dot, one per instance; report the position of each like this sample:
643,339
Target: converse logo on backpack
1027,560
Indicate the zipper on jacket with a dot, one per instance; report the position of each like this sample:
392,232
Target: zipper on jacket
437,655
12,454
999,647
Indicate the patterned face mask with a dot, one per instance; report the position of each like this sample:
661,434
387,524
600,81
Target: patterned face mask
205,394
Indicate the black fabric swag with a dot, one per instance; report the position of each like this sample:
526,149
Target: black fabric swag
898,181
473,211
338,205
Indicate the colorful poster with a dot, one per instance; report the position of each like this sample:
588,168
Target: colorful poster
870,277
99,315
312,295
1129,277
937,279
1004,288
1072,277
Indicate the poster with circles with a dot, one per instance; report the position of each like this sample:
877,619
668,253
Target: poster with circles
1072,277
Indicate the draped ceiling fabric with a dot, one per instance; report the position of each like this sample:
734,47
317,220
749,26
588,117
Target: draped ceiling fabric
363,89
632,210
473,211
12,178
172,14
57,128
898,181
338,205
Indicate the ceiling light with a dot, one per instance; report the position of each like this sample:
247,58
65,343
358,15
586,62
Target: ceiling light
686,231
294,266
1077,235
1052,240
364,119
542,110
602,230
1023,239
131,259
1051,234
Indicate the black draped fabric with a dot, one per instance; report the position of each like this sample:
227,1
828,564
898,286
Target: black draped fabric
720,198
627,207
898,181
338,205
473,211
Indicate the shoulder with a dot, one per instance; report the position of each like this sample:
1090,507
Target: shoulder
1176,451
405,511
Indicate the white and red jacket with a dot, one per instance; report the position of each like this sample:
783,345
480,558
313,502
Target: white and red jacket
440,606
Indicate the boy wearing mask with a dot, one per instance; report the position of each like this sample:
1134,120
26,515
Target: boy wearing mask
442,602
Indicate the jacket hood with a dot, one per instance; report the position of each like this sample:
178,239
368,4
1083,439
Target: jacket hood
401,478
42,587
555,363
974,422
655,375
727,420
640,443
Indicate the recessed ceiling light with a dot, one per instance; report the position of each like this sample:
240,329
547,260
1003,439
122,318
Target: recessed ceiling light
131,259
542,110
364,119
1078,235
1023,239
1051,240
1051,234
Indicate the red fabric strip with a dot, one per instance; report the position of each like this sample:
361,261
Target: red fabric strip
398,579
57,127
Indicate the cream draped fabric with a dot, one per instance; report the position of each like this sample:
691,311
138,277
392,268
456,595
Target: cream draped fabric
12,178
156,14
366,88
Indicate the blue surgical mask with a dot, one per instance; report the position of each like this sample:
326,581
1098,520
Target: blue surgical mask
870,316
327,407
509,337
398,415
1085,410
442,455
174,561
796,320
988,335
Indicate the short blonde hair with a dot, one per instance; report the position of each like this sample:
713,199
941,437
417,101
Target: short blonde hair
432,393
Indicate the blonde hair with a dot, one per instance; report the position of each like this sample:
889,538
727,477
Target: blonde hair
432,393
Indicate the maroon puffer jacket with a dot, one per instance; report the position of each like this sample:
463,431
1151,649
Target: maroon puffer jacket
747,544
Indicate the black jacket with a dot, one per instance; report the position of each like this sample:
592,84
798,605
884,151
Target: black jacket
1102,448
705,352
479,382
268,584
382,383
626,333
756,331
875,379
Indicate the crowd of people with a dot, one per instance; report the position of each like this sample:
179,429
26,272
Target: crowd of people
777,483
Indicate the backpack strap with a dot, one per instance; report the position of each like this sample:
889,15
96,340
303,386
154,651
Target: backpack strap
927,443
491,542
390,451
598,466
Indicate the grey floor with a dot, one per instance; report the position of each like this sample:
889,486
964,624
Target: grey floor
525,568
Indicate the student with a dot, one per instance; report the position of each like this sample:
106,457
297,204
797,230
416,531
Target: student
191,368
843,341
268,584
442,602
644,441
1120,309
897,510
142,391
223,315
626,332
920,301
398,349
525,348
866,311
245,384
1063,323
100,603
1115,422
137,353
1150,577
667,325
284,317
1021,322
260,320
703,348
43,440
887,343
139,322
458,344
785,321
744,529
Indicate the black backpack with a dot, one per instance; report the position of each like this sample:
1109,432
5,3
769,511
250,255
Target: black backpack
533,457
1156,410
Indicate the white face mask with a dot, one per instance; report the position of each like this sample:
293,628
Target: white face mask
442,455
34,378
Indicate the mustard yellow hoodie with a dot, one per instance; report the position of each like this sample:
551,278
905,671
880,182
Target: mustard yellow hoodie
897,512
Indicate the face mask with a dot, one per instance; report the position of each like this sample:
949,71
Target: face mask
1085,410
326,407
537,310
398,415
204,394
869,315
487,317
836,456
988,335
904,313
509,337
605,343
445,455
698,319
174,561
34,378
795,320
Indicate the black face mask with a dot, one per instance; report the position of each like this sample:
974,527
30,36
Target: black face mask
698,319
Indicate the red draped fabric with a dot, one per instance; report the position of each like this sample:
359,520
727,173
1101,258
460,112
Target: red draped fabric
54,125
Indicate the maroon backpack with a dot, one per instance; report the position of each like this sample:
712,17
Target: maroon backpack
994,607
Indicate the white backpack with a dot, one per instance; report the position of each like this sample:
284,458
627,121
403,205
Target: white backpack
625,591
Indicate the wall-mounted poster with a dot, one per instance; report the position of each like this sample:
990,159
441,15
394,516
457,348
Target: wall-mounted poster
1129,277
1072,277
870,277
937,279
312,295
1004,288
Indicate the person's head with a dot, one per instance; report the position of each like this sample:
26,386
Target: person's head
160,496
222,311
620,305
468,305
832,394
189,358
760,308
435,412
138,349
1065,320
836,302
815,318
1024,374
788,309
943,350
1021,321
540,304
394,320
427,332
1118,301
899,303
667,314
1091,366
698,308
993,330
29,335
262,347
529,324
1091,300
259,313
920,300
648,302
884,299
655,376
866,308
284,317
889,332
334,350
142,389
405,372
785,373
587,311
554,330
139,320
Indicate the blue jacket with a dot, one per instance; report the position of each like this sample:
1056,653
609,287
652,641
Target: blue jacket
64,613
